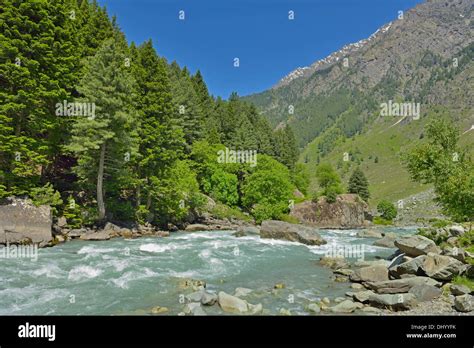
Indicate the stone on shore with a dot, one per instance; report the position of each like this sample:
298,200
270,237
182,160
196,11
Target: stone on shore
194,308
100,235
333,262
208,298
424,292
416,245
397,286
458,290
196,227
464,303
296,233
233,304
362,296
313,308
346,306
370,274
412,266
393,302
441,267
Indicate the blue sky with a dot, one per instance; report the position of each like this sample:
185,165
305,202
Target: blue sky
258,32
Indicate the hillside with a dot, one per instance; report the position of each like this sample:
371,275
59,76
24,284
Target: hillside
334,105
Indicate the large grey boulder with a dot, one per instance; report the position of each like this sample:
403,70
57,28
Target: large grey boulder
23,222
416,245
458,290
456,230
362,296
424,292
196,227
393,302
399,285
370,274
208,298
441,267
292,232
412,266
194,308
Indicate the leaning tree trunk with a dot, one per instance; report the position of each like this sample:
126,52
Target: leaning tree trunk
100,182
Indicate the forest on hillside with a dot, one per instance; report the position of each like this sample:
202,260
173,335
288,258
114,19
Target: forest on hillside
102,129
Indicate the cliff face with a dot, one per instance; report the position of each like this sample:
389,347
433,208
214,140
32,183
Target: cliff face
349,211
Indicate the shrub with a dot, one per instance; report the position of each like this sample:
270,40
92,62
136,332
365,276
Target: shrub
387,210
46,195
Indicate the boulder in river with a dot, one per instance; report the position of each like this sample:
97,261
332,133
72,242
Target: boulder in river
441,267
369,234
385,242
416,245
23,222
370,274
193,284
193,308
348,211
233,304
296,233
333,262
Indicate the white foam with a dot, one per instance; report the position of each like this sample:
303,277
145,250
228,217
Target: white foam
83,272
91,250
50,271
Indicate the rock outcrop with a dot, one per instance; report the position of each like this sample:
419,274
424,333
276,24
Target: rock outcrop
292,232
348,211
23,222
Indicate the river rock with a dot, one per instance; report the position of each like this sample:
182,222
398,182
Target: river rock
292,232
459,290
313,308
76,233
23,222
193,284
369,309
232,304
362,296
195,296
159,310
208,298
424,292
370,274
385,242
399,285
412,266
456,253
348,211
346,306
367,263
441,267
194,308
416,245
333,262
242,292
100,235
393,302
248,230
357,286
464,303
284,311
62,222
369,234
196,227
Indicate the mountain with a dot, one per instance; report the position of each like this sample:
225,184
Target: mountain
424,57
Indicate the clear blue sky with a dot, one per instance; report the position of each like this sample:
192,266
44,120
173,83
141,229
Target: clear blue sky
258,32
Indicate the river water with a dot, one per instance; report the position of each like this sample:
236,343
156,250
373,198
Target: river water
130,276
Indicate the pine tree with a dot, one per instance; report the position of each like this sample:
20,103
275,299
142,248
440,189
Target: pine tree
103,142
359,184
160,142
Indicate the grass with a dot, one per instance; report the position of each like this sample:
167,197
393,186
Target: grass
460,280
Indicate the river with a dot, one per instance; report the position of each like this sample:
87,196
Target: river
130,276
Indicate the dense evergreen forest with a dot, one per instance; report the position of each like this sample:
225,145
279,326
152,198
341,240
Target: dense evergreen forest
101,129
